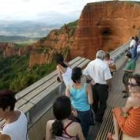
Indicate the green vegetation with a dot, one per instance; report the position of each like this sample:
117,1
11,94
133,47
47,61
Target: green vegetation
16,75
72,24
18,39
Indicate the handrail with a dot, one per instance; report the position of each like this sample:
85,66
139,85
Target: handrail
115,55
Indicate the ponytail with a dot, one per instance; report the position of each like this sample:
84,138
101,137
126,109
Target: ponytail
63,64
60,60
57,128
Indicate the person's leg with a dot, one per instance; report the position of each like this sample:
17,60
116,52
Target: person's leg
115,136
95,98
84,117
125,81
103,95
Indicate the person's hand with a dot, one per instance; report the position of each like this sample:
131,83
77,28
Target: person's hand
74,112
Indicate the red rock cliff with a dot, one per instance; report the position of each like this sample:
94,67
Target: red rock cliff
105,25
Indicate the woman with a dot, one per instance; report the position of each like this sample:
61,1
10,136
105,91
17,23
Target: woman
63,70
63,128
15,124
110,63
81,99
127,118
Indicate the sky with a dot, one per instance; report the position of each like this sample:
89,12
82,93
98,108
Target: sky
39,9
42,10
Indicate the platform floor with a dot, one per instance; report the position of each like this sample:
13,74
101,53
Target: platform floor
114,99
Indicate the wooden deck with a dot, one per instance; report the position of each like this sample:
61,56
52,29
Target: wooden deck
100,131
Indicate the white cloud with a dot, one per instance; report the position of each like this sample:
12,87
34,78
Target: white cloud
27,9
31,9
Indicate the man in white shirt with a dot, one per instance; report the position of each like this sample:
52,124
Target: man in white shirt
99,72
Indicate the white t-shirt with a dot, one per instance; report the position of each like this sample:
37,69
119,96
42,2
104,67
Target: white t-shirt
67,77
132,43
98,70
18,129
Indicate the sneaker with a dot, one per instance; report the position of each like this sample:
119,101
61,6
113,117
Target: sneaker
126,96
124,91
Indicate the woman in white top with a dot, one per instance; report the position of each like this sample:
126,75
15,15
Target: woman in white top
15,122
63,70
110,63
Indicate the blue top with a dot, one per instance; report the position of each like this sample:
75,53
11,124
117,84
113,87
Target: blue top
79,98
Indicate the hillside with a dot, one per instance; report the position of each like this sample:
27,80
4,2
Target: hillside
26,28
18,39
16,75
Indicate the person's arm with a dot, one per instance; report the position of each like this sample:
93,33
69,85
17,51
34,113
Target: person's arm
48,130
108,76
74,112
128,106
67,92
4,137
129,70
80,133
89,94
109,84
112,66
59,73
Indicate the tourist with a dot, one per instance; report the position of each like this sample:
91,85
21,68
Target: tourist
110,63
133,47
63,69
15,122
62,128
138,51
99,72
127,117
81,99
128,71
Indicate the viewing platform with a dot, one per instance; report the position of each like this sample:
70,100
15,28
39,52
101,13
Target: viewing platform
36,100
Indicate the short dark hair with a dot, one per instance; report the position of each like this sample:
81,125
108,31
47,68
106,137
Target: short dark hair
128,54
76,74
107,55
61,111
62,108
7,98
136,77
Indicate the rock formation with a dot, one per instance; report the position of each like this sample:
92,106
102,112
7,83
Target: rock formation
102,25
105,25
12,49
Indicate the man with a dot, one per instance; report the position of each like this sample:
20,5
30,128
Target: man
128,72
99,72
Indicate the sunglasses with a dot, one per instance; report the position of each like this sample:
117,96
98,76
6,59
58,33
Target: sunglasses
132,85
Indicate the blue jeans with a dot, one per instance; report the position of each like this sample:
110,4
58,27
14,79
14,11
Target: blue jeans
84,117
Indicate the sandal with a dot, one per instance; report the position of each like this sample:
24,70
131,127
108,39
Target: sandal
109,136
